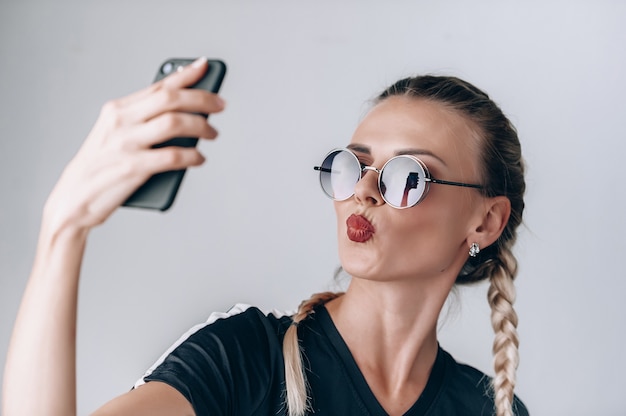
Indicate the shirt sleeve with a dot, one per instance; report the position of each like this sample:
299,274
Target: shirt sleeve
226,367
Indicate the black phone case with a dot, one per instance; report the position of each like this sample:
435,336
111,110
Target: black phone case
160,190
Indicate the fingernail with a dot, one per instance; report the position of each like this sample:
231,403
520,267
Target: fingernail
199,62
220,101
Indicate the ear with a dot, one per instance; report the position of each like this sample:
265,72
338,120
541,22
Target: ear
495,216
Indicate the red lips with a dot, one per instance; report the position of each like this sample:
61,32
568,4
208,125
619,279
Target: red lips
359,228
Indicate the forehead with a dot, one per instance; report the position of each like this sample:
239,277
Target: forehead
399,123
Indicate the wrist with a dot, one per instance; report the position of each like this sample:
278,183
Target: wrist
56,228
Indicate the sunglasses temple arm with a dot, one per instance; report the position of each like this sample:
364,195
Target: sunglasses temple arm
322,169
465,185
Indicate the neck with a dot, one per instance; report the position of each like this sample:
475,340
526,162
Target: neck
391,330
407,308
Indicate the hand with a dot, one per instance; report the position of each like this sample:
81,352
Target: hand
117,157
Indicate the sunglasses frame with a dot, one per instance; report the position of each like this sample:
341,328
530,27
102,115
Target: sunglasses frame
428,179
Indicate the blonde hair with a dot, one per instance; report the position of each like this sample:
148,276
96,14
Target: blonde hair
297,398
501,295
503,175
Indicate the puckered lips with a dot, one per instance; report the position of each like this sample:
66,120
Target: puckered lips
359,228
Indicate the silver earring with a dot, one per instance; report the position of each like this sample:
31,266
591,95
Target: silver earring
474,249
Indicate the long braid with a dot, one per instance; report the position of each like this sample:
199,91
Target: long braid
501,296
297,398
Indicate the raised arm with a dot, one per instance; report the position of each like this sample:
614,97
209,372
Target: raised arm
116,158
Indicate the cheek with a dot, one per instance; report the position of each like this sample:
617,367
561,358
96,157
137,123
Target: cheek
433,230
423,247
339,214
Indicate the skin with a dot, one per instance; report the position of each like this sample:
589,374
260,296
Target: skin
402,274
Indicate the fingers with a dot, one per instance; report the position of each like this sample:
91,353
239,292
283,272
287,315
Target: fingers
169,99
168,94
87,198
188,76
164,127
169,158
163,111
180,79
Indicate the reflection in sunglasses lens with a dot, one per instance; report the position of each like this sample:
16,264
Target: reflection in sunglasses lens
339,174
404,177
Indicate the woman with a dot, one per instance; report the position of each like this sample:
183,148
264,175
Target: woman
428,194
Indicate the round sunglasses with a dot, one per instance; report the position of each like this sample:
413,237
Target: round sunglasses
403,181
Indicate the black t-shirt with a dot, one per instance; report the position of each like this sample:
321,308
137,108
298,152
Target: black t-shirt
234,366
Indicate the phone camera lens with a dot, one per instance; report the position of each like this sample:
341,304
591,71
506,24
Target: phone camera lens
167,68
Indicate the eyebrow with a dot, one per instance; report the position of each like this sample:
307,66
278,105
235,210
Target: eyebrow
365,149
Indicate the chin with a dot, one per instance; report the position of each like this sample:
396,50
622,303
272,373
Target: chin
360,268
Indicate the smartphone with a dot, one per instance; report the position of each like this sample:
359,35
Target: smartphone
160,190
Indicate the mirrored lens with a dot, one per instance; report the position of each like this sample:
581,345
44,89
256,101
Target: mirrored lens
339,174
402,181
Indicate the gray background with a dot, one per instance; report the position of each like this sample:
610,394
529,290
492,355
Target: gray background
252,225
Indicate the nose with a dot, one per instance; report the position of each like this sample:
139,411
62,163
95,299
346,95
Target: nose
366,190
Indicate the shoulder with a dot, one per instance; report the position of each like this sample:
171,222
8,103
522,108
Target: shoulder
246,320
244,331
467,390
221,364
244,314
